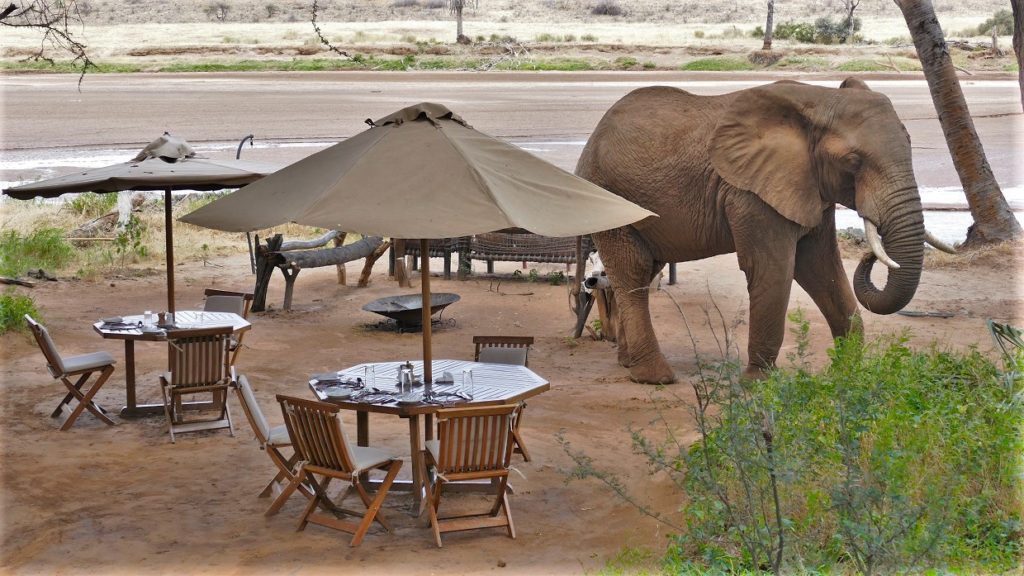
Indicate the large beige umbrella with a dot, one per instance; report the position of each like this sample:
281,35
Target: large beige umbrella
168,163
423,173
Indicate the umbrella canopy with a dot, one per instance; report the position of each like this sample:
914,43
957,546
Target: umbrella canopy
168,163
422,172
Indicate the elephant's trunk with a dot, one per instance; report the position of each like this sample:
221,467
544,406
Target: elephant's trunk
902,228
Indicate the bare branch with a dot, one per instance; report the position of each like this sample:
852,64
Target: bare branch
54,20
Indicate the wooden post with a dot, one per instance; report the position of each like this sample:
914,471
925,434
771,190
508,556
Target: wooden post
266,261
672,274
338,241
400,272
169,244
425,291
364,276
290,274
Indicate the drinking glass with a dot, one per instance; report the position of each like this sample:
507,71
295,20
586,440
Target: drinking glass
369,376
467,383
147,318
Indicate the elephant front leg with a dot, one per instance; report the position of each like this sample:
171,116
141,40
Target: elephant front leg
819,271
631,267
766,250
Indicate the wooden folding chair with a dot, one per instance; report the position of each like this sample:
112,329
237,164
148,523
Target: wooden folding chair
473,444
319,440
234,302
199,363
507,350
271,440
83,366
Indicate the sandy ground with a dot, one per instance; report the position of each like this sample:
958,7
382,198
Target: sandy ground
125,500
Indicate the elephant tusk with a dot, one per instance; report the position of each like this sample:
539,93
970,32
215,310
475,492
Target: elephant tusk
875,242
931,239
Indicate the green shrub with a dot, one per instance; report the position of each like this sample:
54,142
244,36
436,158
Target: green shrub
722,64
757,32
92,205
698,33
13,307
588,38
626,62
889,460
44,248
799,31
1002,21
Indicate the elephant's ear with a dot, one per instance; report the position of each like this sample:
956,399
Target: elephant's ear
761,144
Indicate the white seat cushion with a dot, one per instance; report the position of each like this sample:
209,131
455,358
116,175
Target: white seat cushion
279,435
434,447
364,457
87,361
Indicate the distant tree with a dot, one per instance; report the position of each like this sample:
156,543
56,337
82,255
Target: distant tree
849,6
1018,43
993,220
455,7
315,13
54,20
769,27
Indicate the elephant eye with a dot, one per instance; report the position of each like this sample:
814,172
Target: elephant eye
851,161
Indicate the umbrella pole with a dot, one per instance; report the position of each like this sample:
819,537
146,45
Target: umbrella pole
169,239
425,285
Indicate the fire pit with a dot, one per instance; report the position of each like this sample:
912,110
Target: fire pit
407,309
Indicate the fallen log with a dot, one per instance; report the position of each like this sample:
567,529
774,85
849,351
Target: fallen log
290,263
17,282
309,244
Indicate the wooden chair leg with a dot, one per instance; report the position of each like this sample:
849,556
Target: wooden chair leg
285,494
318,494
374,508
85,401
70,395
433,504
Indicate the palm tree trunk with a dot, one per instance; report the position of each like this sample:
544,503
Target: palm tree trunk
993,219
769,26
1018,43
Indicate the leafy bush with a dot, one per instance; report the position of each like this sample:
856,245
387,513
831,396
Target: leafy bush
799,31
43,248
606,8
828,31
1002,21
13,308
888,460
588,38
91,204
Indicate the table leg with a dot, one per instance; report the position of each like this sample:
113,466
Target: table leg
428,425
416,446
130,408
363,438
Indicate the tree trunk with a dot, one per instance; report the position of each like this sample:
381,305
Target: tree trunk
310,244
851,5
1018,43
993,220
458,23
332,256
769,27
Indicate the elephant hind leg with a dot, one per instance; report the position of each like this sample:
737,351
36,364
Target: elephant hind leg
631,267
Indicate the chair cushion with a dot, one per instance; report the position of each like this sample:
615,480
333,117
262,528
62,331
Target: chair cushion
496,355
87,361
279,435
434,447
262,428
364,457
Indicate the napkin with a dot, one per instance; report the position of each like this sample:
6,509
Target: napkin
112,320
446,378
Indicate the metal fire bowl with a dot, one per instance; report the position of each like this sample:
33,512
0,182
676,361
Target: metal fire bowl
408,308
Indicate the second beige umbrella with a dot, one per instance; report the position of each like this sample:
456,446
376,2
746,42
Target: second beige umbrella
422,172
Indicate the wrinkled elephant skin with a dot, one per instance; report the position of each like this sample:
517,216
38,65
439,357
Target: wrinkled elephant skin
756,172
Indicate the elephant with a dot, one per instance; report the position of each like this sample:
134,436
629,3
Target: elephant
757,172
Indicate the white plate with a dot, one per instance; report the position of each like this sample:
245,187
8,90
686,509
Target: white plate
150,330
411,399
338,393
